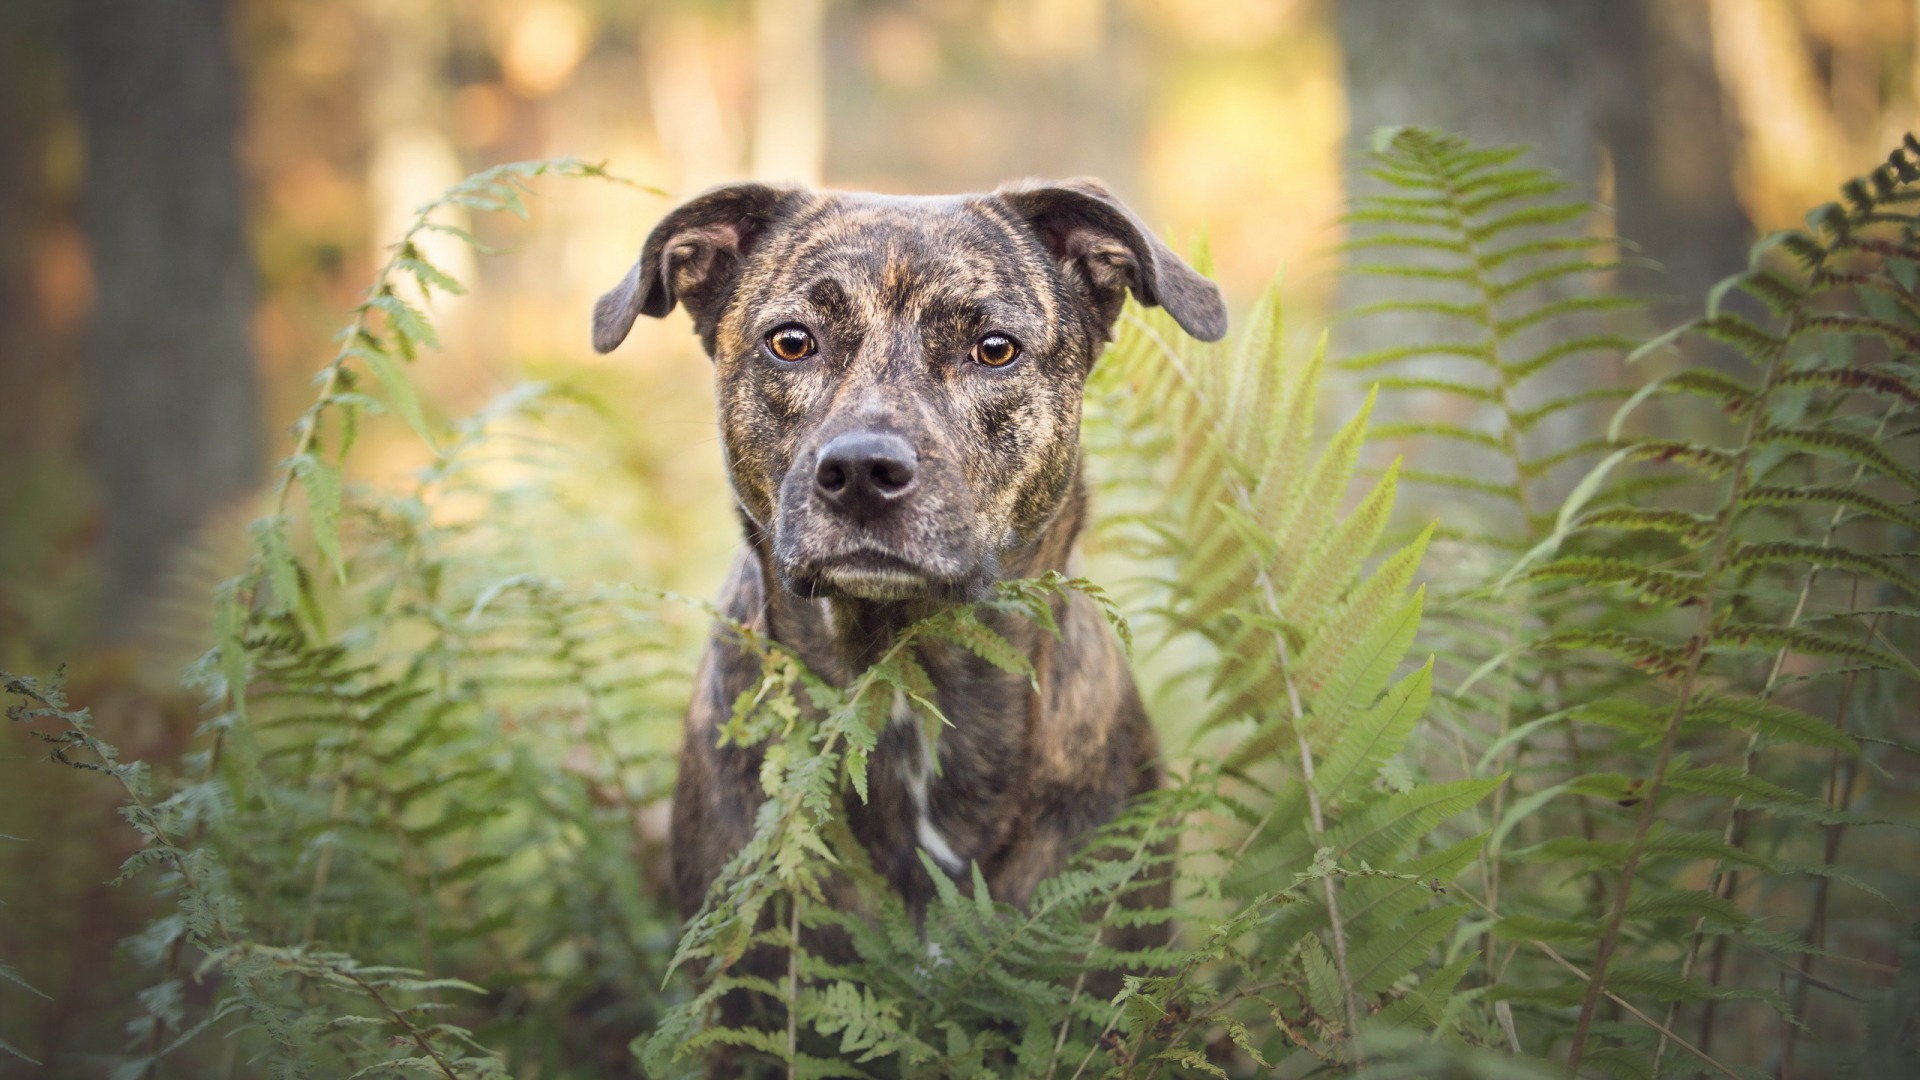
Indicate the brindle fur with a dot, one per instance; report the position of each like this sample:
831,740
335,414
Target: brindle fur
896,290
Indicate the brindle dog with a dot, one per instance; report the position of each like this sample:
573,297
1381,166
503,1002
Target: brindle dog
899,385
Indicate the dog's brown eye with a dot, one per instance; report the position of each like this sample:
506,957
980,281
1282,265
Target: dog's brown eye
996,350
791,343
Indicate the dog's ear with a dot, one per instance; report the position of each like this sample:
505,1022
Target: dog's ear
1101,242
690,258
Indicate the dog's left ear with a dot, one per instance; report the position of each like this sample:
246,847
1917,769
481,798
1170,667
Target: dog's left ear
1098,239
690,258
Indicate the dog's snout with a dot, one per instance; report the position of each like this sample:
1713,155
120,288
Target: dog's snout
863,473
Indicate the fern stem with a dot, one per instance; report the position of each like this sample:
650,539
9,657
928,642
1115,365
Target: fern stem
323,863
1725,882
413,1033
1840,781
1696,654
1496,338
1326,883
1574,969
410,875
1497,342
793,989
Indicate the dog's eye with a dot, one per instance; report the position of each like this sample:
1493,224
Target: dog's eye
791,343
996,350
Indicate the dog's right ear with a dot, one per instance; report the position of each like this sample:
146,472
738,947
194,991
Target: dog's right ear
690,258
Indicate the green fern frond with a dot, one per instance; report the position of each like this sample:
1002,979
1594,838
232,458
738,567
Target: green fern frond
1798,520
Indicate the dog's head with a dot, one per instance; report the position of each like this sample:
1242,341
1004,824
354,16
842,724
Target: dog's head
900,378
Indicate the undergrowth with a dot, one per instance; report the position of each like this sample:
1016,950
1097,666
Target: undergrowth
1581,793
1696,661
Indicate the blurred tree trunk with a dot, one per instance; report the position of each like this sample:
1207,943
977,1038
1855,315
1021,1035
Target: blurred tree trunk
1674,146
1567,77
28,113
1499,72
1496,71
1585,83
175,415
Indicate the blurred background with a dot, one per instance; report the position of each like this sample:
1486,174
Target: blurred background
193,193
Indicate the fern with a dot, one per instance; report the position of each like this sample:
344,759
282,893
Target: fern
1495,247
415,739
1267,557
1456,236
978,981
1826,384
1689,616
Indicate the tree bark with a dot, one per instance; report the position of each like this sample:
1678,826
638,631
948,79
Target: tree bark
1673,147
1496,71
1500,72
29,113
174,405
1630,83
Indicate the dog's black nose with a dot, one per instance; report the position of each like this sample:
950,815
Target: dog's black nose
865,472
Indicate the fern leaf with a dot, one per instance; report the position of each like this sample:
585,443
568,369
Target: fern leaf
1362,672
1388,958
1395,354
1695,530
1440,430
1851,498
1792,552
1884,384
1807,643
1857,449
1774,721
1383,829
1375,736
1644,653
1708,461
1657,586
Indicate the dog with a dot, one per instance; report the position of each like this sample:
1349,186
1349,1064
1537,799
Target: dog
899,384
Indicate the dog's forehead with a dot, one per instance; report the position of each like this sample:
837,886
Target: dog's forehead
859,215
904,255
955,232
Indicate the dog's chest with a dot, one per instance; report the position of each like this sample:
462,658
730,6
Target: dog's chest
909,757
949,799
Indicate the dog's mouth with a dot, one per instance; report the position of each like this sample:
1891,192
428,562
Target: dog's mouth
871,574
868,573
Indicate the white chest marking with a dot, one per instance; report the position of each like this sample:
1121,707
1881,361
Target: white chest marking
918,770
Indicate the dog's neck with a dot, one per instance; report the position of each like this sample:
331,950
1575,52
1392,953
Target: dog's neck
839,637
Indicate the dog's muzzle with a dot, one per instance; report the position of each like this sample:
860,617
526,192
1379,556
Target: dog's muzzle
872,520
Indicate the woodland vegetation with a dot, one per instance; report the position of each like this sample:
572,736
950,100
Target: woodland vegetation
1594,763
1597,639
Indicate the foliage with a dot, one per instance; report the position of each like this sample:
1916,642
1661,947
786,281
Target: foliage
417,735
423,830
1695,657
1328,851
